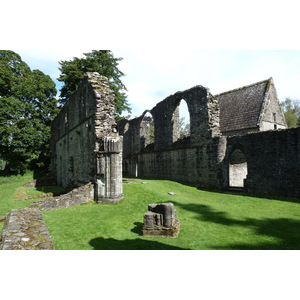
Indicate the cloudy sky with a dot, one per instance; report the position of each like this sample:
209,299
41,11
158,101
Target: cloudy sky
166,46
154,74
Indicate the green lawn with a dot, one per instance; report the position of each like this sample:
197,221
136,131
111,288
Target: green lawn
209,220
9,187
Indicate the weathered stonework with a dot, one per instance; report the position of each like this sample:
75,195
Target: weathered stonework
227,146
75,197
161,221
24,229
85,145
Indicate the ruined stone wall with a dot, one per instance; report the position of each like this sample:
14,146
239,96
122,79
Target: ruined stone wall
267,162
85,143
191,164
273,161
74,139
204,117
192,159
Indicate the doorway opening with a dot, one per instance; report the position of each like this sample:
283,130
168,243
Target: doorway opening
238,169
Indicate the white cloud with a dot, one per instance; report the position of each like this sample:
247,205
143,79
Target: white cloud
154,74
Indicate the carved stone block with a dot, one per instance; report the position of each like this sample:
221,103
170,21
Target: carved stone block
160,221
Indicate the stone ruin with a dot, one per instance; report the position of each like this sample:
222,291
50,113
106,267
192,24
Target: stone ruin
85,144
238,139
86,157
161,221
230,145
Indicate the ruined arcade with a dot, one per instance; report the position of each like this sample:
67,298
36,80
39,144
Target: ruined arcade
238,139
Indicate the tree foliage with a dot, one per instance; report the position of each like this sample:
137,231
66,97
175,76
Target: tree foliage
101,61
27,107
184,128
291,109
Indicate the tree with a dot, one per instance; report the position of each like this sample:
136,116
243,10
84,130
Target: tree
184,128
27,107
291,109
101,61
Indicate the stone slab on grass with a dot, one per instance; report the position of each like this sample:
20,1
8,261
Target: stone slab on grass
25,229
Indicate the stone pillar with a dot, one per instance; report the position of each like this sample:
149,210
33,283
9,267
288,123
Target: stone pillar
108,187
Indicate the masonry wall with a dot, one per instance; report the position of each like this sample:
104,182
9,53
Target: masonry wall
192,164
74,139
273,161
192,159
85,144
267,164
271,116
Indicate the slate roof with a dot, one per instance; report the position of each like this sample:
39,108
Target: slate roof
240,108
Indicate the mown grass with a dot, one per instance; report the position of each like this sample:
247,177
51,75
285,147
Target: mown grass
9,188
209,220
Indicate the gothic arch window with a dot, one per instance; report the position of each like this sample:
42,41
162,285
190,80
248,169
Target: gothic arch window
147,133
181,120
184,120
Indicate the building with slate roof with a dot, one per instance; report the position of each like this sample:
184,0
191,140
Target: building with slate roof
250,108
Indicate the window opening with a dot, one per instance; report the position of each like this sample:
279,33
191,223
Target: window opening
184,120
147,129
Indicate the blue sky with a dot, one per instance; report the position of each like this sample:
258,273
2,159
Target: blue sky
154,74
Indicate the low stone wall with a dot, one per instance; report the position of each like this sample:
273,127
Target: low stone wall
76,197
25,229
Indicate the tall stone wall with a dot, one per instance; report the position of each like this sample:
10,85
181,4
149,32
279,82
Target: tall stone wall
192,164
85,144
264,163
204,124
273,162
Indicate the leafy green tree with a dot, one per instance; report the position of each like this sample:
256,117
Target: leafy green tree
101,61
291,109
184,128
27,107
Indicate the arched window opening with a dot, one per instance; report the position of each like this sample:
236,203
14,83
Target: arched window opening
147,129
238,169
184,120
126,128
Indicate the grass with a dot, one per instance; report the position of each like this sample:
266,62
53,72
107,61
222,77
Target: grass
209,220
11,189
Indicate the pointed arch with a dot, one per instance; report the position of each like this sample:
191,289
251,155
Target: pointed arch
147,134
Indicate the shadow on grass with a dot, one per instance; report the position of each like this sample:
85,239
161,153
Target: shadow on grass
136,244
222,191
285,231
138,229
